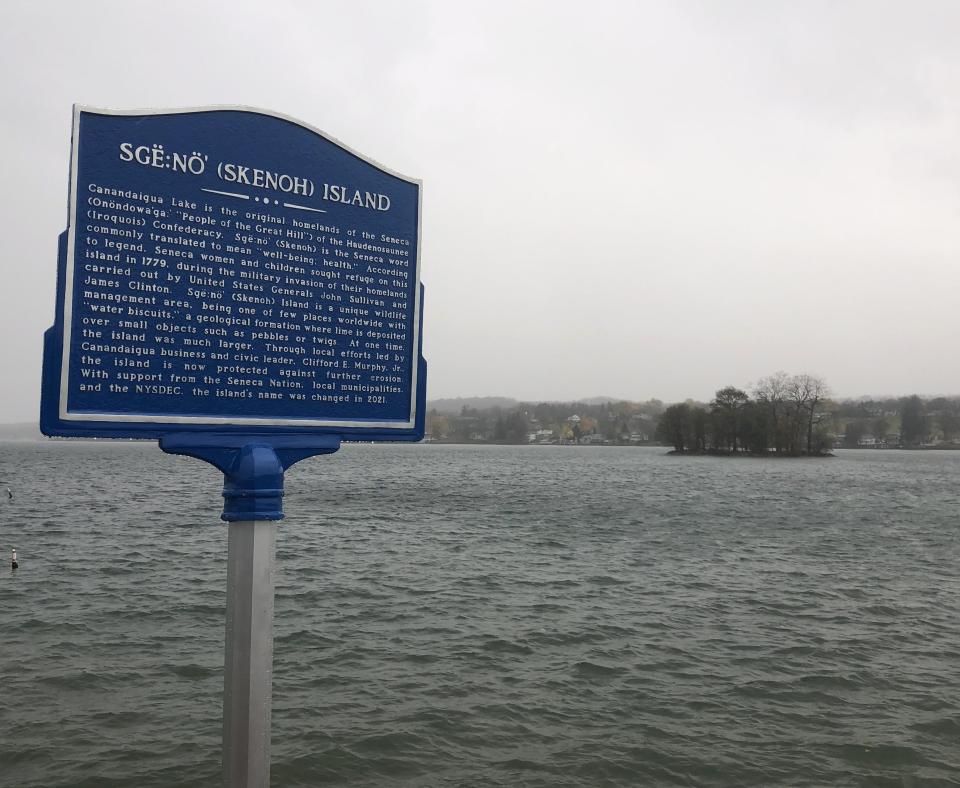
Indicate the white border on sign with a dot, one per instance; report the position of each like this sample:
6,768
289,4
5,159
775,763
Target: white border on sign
67,316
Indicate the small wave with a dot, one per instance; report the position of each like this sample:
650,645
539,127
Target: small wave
36,625
401,741
568,638
84,680
829,681
117,719
589,669
942,726
548,607
854,593
521,765
795,651
194,671
116,569
306,637
881,755
501,646
768,691
607,580
419,659
881,610
551,543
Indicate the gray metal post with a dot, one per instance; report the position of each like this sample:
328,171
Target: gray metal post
249,654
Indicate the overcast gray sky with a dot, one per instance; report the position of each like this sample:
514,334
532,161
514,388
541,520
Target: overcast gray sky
634,199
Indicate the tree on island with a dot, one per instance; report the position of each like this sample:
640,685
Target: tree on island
808,393
771,395
726,415
676,427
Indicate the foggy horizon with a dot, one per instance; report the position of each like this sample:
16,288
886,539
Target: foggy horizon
643,201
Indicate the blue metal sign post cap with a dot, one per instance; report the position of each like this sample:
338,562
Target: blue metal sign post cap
252,466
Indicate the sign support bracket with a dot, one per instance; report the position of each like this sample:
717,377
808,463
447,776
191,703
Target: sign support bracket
253,468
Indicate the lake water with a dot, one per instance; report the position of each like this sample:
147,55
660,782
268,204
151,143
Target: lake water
492,616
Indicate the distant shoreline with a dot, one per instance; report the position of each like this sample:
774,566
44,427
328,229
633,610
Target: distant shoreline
751,455
40,438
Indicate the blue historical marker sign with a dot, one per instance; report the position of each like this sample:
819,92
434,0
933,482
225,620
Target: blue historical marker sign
233,270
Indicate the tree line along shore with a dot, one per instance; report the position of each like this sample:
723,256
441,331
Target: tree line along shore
783,415
789,415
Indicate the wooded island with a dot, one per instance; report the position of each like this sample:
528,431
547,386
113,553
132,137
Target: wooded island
786,416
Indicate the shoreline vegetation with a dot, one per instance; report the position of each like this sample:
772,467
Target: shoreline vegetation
782,415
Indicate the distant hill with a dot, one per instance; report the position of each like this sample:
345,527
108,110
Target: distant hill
599,400
20,432
456,404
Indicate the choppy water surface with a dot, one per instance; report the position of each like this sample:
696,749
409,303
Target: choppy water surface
492,616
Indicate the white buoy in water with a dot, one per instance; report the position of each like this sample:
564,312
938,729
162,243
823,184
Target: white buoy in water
13,559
